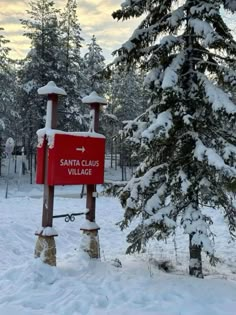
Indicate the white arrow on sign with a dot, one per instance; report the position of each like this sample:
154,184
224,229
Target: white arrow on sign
82,149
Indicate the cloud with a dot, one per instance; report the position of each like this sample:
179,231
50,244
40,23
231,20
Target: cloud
94,17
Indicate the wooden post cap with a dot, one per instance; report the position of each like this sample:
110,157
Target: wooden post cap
51,88
94,98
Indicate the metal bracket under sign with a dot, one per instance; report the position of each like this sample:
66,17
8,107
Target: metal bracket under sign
68,217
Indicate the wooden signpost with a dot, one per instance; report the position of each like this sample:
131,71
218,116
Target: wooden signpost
68,158
45,245
90,227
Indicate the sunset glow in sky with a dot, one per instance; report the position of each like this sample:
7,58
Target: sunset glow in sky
94,17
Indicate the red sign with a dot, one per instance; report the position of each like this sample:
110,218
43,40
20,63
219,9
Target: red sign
76,160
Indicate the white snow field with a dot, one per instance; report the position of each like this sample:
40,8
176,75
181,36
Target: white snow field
80,286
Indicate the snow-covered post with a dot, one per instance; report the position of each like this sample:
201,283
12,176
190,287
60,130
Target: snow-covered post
45,245
9,147
21,165
91,228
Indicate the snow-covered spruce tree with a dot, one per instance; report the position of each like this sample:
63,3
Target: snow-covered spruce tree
94,64
187,136
4,81
71,65
127,98
8,86
9,116
70,34
43,31
127,95
39,67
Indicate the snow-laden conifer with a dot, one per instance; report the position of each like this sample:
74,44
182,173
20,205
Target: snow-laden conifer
127,98
127,94
186,138
9,117
71,65
38,68
4,81
94,64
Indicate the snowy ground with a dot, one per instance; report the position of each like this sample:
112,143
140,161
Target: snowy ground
79,286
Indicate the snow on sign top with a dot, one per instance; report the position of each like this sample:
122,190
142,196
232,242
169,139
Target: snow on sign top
94,98
51,88
50,133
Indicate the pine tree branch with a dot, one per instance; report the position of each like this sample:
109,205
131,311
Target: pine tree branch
207,52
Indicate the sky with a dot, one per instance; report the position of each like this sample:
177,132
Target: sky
94,17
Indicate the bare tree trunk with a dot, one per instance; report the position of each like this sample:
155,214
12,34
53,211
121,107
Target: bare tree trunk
195,264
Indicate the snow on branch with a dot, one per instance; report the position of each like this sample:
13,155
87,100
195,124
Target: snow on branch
137,186
143,31
162,215
29,86
170,78
153,76
229,150
148,194
147,31
176,17
2,125
185,183
230,5
194,223
218,98
130,3
230,76
138,35
204,29
160,125
201,153
209,8
129,45
152,175
170,40
155,201
133,130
